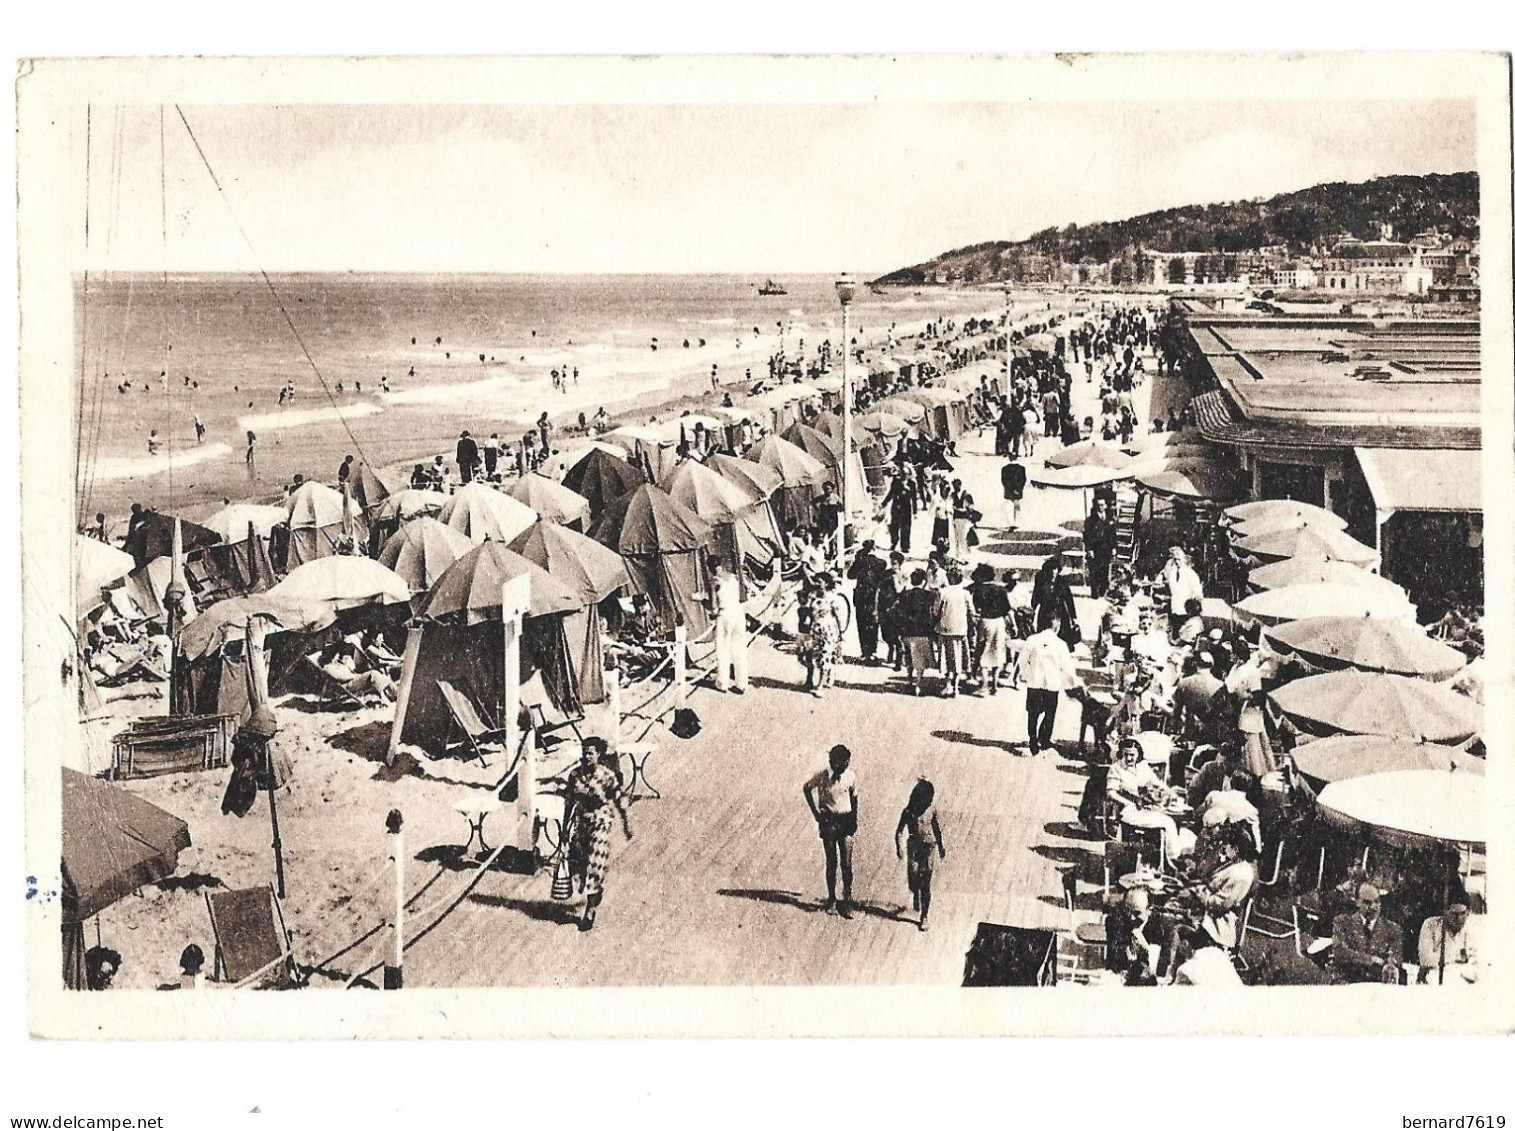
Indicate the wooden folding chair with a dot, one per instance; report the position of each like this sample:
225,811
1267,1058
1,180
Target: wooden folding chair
479,734
252,943
328,690
545,728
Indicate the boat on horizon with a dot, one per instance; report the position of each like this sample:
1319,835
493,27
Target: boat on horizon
771,288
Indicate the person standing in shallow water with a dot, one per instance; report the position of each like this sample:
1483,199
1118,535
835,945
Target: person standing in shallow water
918,841
832,797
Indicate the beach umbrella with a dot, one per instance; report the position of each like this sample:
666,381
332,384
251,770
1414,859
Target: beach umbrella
1346,756
1298,602
549,498
1040,343
1396,706
600,477
411,503
1156,441
1080,477
231,521
708,494
1088,453
1410,808
1208,481
226,621
630,436
794,467
829,425
731,414
421,550
694,419
749,476
97,566
882,424
830,383
341,582
575,560
1317,571
1175,459
649,521
902,407
471,588
1373,644
1280,523
1273,509
480,512
317,505
816,445
114,842
1308,542
575,452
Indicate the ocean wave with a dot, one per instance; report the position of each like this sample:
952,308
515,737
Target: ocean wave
297,418
135,467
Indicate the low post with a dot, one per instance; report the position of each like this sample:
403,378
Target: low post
613,691
394,972
681,663
515,602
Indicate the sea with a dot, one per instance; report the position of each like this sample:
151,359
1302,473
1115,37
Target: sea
155,352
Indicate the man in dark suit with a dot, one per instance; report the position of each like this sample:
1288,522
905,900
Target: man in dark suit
1012,478
1367,942
468,457
867,573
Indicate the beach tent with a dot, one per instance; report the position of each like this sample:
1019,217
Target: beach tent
113,843
231,522
154,537
1396,706
601,477
762,483
422,550
458,639
726,506
946,411
902,407
1373,644
481,512
320,520
829,453
885,424
800,477
366,488
594,574
550,499
210,667
664,545
410,503
575,450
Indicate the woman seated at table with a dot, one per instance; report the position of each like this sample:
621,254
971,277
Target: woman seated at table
1145,801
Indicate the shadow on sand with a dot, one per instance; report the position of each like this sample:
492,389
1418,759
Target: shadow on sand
803,903
542,910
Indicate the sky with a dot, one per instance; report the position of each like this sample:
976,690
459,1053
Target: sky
767,188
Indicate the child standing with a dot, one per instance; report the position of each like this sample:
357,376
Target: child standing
918,841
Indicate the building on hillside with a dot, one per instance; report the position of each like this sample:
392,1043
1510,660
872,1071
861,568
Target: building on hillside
1377,421
1375,266
1292,274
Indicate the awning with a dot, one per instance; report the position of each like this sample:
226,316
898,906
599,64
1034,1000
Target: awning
1427,479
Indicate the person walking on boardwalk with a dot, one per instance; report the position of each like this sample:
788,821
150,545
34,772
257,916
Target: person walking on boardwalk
730,630
918,841
868,573
1045,665
1012,478
832,797
900,503
593,796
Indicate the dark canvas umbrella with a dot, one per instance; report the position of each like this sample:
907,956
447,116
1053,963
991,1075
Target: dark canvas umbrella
829,424
601,477
154,537
794,467
761,480
366,487
1357,755
113,843
422,550
472,587
1396,706
575,560
707,493
649,521
815,444
1374,644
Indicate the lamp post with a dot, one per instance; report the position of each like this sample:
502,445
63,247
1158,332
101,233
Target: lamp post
846,288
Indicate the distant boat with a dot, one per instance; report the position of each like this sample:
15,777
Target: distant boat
771,288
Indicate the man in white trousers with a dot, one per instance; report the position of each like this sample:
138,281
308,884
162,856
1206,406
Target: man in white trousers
730,631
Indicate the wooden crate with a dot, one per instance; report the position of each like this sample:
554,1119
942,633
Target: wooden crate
173,745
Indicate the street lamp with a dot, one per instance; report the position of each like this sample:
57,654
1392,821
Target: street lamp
846,288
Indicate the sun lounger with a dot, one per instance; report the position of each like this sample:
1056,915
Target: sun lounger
478,732
253,945
331,690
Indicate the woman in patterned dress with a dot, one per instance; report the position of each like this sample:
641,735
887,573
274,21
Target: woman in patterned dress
828,621
593,796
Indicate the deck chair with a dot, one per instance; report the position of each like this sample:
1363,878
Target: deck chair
480,735
545,727
329,690
253,945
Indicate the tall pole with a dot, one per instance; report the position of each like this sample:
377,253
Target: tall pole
394,968
845,289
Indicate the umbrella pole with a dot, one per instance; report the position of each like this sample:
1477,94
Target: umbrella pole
273,817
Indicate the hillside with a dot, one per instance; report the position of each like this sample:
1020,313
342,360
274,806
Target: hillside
1301,221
